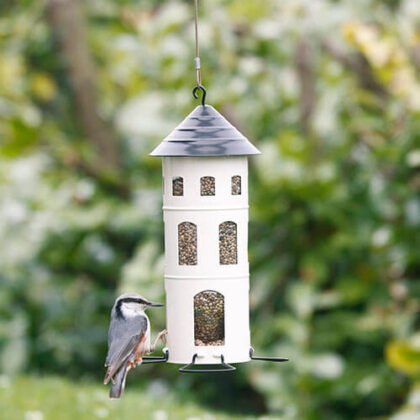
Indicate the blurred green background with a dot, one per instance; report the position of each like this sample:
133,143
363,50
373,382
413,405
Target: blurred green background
328,90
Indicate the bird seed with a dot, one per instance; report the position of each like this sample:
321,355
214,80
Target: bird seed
236,185
178,186
209,319
187,244
207,185
228,243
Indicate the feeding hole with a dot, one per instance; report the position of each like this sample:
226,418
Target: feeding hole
209,318
187,243
236,185
178,186
207,185
228,247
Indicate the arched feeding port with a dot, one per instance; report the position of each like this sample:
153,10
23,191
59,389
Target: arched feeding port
209,318
205,211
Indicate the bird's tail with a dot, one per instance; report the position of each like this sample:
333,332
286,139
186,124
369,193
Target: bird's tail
118,383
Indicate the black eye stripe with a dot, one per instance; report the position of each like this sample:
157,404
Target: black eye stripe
128,300
136,300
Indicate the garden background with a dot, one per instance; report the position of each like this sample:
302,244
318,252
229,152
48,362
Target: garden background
328,90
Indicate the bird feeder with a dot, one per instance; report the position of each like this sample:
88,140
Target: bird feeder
205,212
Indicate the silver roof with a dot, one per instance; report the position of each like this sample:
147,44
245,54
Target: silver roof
205,132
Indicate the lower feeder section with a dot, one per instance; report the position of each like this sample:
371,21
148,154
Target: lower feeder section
209,318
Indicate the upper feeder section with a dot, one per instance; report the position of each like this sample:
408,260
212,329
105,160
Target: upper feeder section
205,132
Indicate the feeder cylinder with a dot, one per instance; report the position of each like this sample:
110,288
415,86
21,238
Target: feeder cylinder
208,266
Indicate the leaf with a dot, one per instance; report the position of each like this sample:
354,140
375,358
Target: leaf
404,355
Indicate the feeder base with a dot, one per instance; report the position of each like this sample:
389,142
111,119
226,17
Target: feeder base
194,367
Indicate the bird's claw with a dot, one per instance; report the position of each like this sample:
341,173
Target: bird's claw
163,336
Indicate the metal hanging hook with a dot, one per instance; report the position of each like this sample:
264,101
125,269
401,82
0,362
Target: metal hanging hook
203,93
197,62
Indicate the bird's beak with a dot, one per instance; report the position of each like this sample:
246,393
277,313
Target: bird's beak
155,305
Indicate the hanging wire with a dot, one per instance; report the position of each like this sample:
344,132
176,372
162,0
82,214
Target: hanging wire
197,47
197,61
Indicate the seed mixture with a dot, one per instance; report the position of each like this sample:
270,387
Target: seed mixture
207,185
236,185
178,186
187,244
228,243
209,319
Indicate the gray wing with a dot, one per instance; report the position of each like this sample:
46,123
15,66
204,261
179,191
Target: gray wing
123,337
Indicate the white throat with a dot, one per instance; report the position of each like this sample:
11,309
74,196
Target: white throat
131,310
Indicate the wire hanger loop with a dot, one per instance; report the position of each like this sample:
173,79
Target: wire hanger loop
196,95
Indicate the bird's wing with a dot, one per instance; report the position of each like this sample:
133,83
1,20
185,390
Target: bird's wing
123,337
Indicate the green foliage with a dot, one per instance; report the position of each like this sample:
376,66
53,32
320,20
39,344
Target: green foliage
57,399
335,202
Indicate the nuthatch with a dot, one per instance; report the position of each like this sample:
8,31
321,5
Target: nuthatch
128,339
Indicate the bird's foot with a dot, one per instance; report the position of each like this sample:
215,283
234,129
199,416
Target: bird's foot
163,336
137,361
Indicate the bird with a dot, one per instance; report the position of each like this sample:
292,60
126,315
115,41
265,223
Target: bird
128,339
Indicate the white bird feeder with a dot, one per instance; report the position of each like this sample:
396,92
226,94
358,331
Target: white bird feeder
205,211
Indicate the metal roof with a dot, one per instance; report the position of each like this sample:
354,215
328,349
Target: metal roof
205,132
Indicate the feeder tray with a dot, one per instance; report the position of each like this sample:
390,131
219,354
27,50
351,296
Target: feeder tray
194,368
222,367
